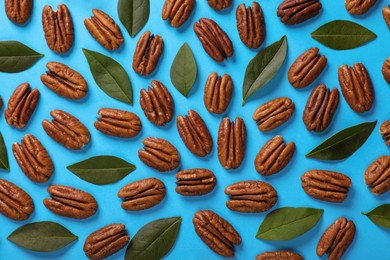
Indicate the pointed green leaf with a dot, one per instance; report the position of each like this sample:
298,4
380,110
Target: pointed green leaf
133,14
3,155
380,215
16,57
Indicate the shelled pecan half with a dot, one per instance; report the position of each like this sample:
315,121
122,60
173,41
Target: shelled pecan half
297,11
18,11
279,255
177,12
219,5
195,182
359,7
15,203
377,175
386,15
218,93
386,69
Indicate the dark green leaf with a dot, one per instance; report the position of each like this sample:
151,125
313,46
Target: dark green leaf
184,70
263,67
16,57
110,76
3,155
45,236
288,223
133,14
154,240
342,35
344,143
380,215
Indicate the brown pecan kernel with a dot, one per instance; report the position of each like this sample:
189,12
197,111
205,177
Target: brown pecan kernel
306,68
320,108
219,5
18,11
274,156
104,29
279,255
336,239
377,175
356,87
67,130
214,40
106,241
359,7
159,154
297,11
218,93
251,25
70,202
385,132
195,134
231,143
147,53
177,12
326,185
33,159
386,15
386,69
58,28
273,113
216,232
15,203
21,105
195,182
64,81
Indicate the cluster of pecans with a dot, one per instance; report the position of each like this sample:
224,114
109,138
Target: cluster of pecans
158,106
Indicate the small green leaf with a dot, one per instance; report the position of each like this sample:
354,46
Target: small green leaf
45,236
16,57
288,223
263,67
110,76
101,170
184,70
154,240
133,14
380,215
342,35
3,155
344,143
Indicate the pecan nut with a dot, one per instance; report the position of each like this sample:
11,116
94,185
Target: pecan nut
214,40
320,108
159,154
216,232
33,159
231,143
64,81
58,28
70,202
359,7
106,241
147,53
21,105
279,255
251,196
251,25
218,93
104,29
118,123
177,12
384,130
195,134
377,175
219,5
356,87
273,113
15,203
157,103
67,130
336,239
297,11
306,68
326,185
386,15
274,156
195,182
386,69
18,11
142,194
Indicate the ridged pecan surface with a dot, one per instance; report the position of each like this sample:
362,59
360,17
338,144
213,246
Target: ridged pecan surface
386,15
15,203
218,93
279,255
195,182
386,69
219,5
384,130
359,7
177,12
377,175
18,11
297,11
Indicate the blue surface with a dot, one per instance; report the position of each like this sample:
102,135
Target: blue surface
371,241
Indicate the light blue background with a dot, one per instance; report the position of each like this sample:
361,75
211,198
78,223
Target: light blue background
371,241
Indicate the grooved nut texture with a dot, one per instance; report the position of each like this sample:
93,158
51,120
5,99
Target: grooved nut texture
386,69
359,7
279,255
195,182
218,93
386,16
18,11
15,203
219,5
384,130
177,12
297,11
377,175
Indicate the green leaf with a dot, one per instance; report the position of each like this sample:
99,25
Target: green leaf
3,155
110,76
101,170
45,236
263,67
184,70
380,215
344,143
342,35
16,57
288,223
154,240
133,14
